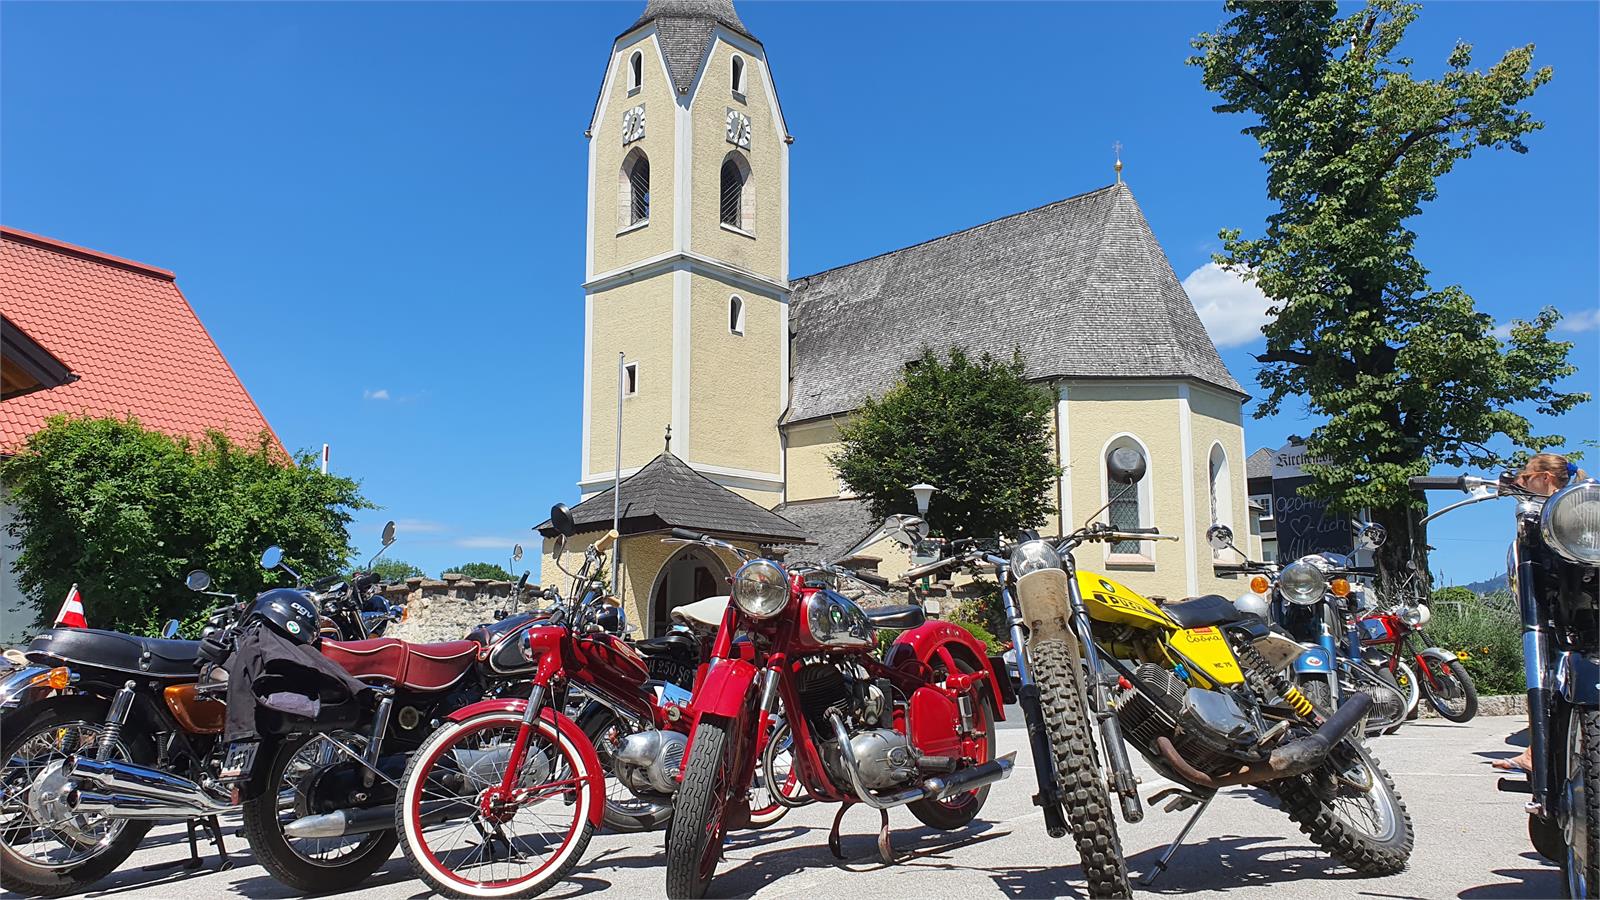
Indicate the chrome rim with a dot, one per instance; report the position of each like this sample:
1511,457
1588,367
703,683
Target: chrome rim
33,828
1359,797
1574,816
296,799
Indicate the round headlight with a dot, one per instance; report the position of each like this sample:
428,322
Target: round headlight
761,588
1414,616
1302,582
1033,556
1571,522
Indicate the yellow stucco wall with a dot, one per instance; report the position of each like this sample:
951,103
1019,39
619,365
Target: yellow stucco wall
636,319
611,249
760,250
810,477
1216,419
736,381
643,556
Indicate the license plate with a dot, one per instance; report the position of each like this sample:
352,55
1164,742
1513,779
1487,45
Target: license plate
240,760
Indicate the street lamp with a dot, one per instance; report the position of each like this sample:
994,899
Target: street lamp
924,492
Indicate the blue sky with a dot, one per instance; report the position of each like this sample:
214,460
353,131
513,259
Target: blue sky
377,209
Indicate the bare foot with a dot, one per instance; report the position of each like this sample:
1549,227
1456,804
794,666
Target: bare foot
1520,763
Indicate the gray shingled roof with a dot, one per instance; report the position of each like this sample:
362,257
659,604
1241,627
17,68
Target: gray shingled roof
1080,286
683,28
834,525
667,493
1259,464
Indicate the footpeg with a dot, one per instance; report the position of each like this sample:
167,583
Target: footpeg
1514,786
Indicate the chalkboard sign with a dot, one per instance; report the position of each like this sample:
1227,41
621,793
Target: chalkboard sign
1304,525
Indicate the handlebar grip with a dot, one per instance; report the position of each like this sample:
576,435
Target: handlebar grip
916,572
685,534
872,578
366,581
1437,482
1151,530
1361,570
605,542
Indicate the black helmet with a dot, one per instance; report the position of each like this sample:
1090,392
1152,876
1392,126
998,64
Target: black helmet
290,611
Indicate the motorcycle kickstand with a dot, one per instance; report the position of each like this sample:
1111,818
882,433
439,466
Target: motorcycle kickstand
213,831
835,845
1172,848
885,849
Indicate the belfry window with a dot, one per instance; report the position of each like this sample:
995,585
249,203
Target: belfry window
736,201
737,75
736,314
1221,485
634,190
635,71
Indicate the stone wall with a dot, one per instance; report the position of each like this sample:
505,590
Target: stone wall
445,609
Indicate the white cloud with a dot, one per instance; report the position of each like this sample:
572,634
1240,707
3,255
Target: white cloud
1503,331
1582,320
379,394
418,526
1232,309
483,542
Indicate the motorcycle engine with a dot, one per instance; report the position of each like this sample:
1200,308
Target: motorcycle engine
1207,727
883,756
1388,702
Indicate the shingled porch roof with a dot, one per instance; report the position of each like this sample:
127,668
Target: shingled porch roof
668,493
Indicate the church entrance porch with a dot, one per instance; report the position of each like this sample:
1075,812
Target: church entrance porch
694,573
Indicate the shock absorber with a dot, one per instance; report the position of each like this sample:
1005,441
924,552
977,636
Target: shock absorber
1268,681
121,704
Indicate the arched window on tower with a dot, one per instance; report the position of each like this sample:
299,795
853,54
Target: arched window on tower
738,74
736,314
633,190
738,200
635,71
1128,505
1221,485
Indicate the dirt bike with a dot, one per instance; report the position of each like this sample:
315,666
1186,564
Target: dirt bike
1554,567
1196,687
914,727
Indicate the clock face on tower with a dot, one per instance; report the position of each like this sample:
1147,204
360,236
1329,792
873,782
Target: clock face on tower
738,129
633,125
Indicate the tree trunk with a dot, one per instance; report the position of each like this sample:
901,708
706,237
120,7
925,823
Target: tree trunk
1407,544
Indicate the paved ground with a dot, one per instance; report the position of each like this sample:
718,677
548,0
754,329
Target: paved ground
1471,843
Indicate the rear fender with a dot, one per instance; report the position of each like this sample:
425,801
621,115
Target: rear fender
945,642
554,725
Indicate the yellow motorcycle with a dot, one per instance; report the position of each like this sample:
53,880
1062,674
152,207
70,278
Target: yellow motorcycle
1197,688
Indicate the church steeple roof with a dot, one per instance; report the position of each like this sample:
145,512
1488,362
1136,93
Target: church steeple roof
683,28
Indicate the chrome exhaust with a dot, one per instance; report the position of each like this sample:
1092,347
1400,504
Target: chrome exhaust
940,787
369,819
121,790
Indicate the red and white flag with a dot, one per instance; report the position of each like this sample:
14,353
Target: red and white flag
71,615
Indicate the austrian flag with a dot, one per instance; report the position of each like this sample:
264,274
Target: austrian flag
71,615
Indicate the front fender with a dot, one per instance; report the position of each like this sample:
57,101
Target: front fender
556,727
1577,679
1438,655
947,642
1315,661
723,691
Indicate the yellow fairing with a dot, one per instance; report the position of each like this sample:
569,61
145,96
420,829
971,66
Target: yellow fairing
1116,604
1207,648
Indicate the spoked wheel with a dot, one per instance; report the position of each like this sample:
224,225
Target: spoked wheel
1450,689
1579,805
694,842
45,849
1406,678
466,836
947,815
777,778
308,776
625,810
1349,807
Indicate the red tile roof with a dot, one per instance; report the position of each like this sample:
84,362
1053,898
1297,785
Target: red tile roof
128,335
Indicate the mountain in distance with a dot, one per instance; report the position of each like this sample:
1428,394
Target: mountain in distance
1488,585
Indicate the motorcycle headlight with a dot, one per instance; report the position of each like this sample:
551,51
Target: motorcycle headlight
761,588
1414,616
1301,582
1571,522
1033,556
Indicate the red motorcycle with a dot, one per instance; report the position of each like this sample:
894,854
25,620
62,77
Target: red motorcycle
1440,676
914,728
503,798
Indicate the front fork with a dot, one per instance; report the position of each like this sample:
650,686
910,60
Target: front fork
1044,767
1123,780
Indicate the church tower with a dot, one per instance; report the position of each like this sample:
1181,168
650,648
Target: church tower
687,256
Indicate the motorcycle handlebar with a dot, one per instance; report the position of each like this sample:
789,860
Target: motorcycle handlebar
366,581
916,572
1438,482
684,534
872,578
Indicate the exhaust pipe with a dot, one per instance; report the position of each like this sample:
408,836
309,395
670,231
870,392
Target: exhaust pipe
369,819
1297,757
939,787
947,786
121,790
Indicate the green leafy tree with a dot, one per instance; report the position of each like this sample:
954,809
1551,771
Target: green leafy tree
487,570
393,570
125,513
1406,374
975,429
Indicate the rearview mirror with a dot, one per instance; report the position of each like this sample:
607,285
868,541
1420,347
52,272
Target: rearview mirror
561,519
170,630
198,580
516,553
270,557
1370,536
907,531
1125,465
388,533
1220,537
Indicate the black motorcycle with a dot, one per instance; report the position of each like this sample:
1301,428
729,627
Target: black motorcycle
1554,568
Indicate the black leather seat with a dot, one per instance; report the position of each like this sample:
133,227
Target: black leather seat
908,616
670,644
91,648
1196,612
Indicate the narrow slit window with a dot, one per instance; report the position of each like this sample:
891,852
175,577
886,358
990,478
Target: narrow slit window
630,379
635,70
736,314
637,186
733,178
738,74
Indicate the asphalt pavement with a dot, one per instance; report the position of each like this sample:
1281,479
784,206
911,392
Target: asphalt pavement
1471,843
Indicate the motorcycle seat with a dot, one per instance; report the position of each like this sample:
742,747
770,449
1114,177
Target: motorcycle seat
670,644
93,648
1198,612
907,616
417,667
705,613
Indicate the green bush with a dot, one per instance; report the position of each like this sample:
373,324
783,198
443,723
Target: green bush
488,570
1485,632
396,570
